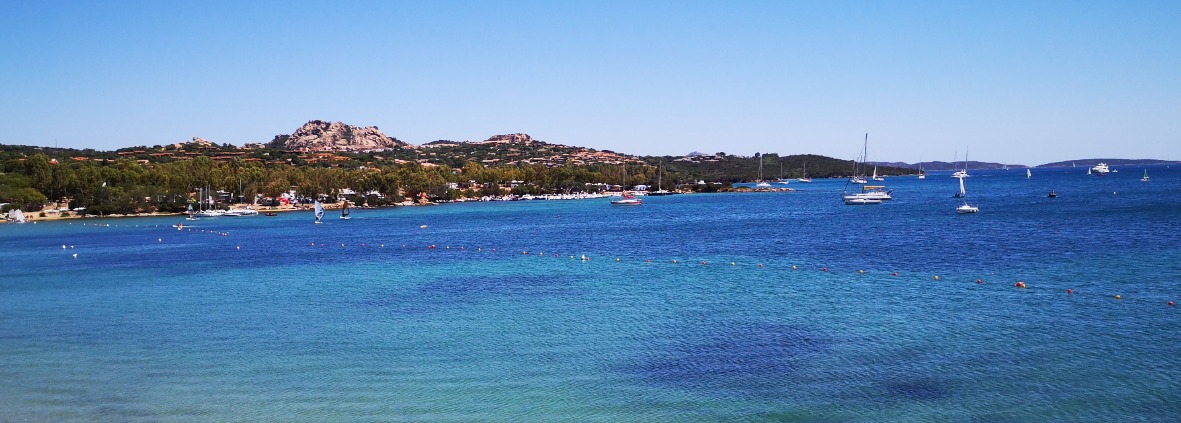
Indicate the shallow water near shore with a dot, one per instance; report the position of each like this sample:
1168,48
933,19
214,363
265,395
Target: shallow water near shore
276,318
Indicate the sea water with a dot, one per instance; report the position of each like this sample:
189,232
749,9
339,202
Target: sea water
707,307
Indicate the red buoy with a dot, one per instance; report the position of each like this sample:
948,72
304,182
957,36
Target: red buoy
1171,304
1069,291
895,274
823,269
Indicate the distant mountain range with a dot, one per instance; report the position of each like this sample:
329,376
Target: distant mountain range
938,166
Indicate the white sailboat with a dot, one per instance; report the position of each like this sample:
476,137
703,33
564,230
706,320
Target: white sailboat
804,177
965,209
626,198
761,184
922,175
858,165
869,194
962,173
1028,174
319,211
659,181
1145,177
875,175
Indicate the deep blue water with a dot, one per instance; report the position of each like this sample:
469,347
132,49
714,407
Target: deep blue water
277,319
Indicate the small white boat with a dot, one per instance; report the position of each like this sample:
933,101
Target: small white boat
627,199
859,201
872,192
804,176
858,180
319,211
965,209
1145,177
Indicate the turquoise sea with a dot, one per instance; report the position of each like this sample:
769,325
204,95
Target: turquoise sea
278,319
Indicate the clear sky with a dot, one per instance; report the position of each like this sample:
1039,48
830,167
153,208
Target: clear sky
1023,82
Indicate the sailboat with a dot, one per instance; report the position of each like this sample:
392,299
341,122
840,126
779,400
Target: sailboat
1145,177
922,175
319,211
870,194
875,175
804,176
761,184
857,178
626,198
963,173
344,210
659,183
965,209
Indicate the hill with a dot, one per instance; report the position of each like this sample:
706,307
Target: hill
1110,162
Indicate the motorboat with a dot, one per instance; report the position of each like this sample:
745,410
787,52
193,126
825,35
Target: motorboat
1100,169
627,199
872,192
965,209
860,201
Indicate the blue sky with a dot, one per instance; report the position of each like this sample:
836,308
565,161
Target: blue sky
1017,82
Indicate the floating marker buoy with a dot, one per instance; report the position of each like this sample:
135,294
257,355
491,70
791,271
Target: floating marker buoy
793,267
1019,284
703,262
731,263
760,265
75,255
238,248
617,259
1069,291
823,269
1171,304
1118,297
571,257
674,262
895,274
936,277
861,271
423,226
63,246
160,239
647,260
979,281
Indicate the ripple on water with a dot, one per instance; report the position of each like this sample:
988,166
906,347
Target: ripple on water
742,360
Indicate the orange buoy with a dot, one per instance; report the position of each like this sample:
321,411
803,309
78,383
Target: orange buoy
1019,284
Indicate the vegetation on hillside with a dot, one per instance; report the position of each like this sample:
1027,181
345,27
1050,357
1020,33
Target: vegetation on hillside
148,179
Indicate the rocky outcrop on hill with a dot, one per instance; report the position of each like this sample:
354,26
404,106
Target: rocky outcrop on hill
318,135
511,138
